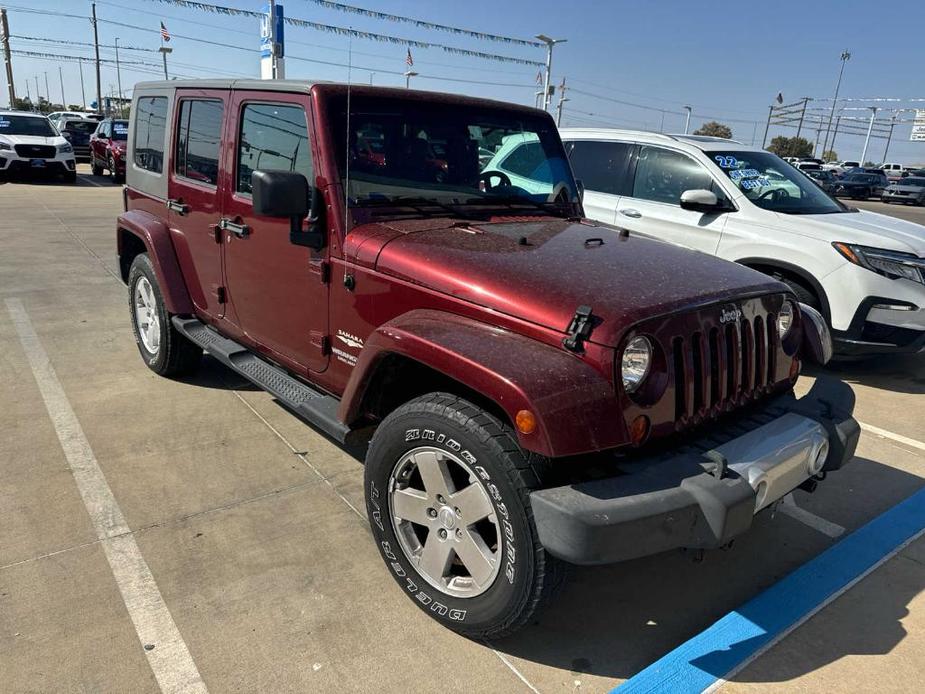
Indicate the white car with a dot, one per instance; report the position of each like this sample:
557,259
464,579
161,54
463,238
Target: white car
29,143
864,271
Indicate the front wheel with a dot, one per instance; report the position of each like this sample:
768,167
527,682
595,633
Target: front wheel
164,349
447,493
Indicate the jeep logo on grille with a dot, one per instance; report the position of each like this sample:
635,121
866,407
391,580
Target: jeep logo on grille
730,314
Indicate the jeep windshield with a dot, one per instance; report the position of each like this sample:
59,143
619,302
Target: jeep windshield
26,125
425,158
772,184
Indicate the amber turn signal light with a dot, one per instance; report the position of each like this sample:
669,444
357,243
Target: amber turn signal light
525,421
639,430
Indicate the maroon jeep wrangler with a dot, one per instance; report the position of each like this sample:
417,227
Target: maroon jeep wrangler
539,389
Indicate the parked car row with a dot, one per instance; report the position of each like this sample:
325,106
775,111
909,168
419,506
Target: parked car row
35,144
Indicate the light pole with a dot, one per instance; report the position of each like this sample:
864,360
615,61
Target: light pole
408,75
164,50
562,101
687,121
83,94
119,78
61,79
845,57
546,79
870,127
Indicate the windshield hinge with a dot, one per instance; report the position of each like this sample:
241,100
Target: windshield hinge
579,329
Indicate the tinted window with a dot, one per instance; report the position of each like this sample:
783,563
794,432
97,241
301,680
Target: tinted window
118,130
525,160
80,126
273,136
198,137
150,122
601,166
662,175
26,125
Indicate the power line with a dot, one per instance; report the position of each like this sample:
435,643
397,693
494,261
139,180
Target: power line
328,4
344,31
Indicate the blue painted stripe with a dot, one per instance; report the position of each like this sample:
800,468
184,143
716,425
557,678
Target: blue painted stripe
714,653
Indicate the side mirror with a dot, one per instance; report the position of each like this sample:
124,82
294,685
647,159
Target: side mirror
701,201
817,340
287,194
66,135
102,136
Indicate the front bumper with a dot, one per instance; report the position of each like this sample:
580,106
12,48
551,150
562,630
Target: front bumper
12,164
707,495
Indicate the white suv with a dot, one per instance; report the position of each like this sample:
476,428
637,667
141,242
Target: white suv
864,271
29,143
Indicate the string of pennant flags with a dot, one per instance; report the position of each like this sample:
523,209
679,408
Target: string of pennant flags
345,31
385,16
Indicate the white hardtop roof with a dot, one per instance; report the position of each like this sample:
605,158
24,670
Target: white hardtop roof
22,113
231,83
701,142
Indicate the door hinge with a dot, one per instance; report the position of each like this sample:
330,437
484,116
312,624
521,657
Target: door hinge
221,295
325,272
326,345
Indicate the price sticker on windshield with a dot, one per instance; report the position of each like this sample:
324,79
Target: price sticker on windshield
4,123
120,129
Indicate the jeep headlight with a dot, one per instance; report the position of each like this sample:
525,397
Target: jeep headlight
635,363
66,148
785,319
892,264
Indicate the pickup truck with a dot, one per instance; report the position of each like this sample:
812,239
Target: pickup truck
534,388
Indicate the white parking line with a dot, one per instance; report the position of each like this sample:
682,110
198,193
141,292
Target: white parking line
167,653
890,435
789,507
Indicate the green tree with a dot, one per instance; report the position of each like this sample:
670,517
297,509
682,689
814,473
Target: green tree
714,129
791,146
829,155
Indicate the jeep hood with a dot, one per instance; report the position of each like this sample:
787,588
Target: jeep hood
865,229
541,269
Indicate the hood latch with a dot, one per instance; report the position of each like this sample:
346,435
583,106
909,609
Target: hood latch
579,329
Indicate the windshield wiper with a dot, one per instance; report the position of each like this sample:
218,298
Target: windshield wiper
513,200
416,203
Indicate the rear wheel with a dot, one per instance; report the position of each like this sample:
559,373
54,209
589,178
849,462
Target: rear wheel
447,493
164,349
113,172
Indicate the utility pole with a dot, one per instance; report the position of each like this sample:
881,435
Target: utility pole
661,125
562,100
870,127
96,48
7,60
889,137
61,79
802,115
408,75
119,79
845,57
767,126
834,134
38,94
550,43
83,93
687,121
47,90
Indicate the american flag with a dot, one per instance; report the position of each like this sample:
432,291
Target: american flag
164,33
409,61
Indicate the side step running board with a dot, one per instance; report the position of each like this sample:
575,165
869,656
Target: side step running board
312,405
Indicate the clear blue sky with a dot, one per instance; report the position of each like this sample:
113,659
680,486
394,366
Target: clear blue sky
727,60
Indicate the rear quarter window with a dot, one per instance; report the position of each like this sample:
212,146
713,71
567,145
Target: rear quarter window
150,133
603,167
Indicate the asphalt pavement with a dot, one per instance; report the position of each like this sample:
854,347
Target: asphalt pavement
244,526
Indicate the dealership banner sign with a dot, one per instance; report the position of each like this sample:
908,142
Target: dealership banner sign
918,126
